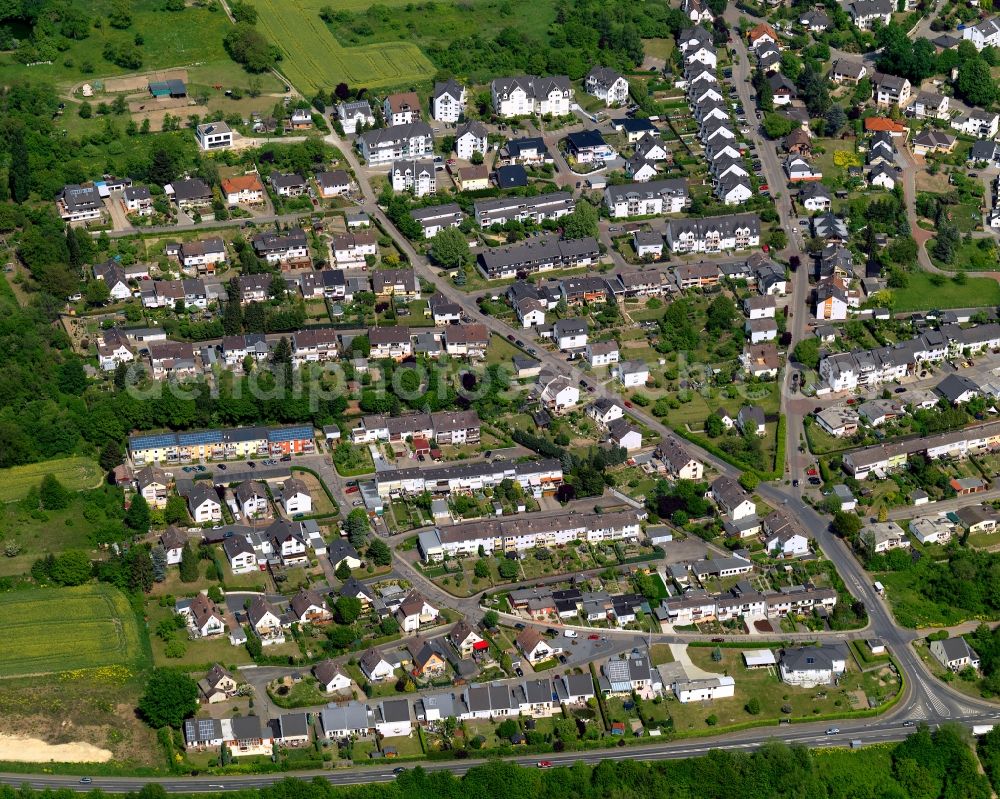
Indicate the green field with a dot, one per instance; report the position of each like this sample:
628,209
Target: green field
74,473
170,39
62,629
922,295
314,59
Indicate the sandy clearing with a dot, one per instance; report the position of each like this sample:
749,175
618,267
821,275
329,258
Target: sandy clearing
34,750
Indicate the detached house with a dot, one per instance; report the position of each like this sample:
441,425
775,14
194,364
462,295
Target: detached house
309,608
848,71
243,190
471,138
527,95
606,84
375,667
865,13
415,611
417,177
401,109
80,203
331,678
954,653
410,141
890,90
350,115
448,101
534,646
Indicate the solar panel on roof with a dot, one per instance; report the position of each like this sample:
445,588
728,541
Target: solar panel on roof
289,433
199,437
206,728
153,441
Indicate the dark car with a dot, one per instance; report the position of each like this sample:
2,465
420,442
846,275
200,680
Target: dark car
251,464
222,467
510,337
519,671
552,631
718,640
399,769
562,658
795,483
815,481
519,625
900,390
285,458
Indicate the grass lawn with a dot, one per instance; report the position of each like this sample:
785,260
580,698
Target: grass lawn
314,59
75,474
658,48
196,653
305,693
771,693
321,504
501,351
922,294
59,629
967,217
351,460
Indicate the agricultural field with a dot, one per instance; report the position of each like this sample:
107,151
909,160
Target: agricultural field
66,629
74,473
314,59
170,39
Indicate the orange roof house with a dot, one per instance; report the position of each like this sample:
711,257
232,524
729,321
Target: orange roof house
875,124
759,31
242,183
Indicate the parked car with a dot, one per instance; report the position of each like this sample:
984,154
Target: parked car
570,633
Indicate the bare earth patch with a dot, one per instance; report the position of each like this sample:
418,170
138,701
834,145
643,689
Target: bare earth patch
35,750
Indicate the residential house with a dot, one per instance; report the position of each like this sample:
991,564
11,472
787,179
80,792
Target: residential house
731,499
241,555
214,136
751,421
471,138
349,720
137,201
290,248
631,374
375,667
890,90
415,611
448,101
309,607
954,654
608,85
847,70
809,666
350,115
410,141
77,203
352,249
534,646
336,183
288,184
651,198
527,95
243,189
401,109
865,13
265,622
417,177
435,218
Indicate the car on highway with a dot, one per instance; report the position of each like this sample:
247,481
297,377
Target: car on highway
544,764
399,770
86,780
908,723
833,731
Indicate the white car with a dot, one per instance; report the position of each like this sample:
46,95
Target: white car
570,633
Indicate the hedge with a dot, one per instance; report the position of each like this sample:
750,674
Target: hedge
326,490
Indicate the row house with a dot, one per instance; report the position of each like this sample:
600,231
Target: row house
525,533
884,458
166,293
390,342
535,209
235,349
466,341
314,345
171,359
537,255
446,427
536,476
220,444
435,218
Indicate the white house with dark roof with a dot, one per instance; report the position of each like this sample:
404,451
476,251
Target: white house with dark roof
527,94
350,115
470,138
606,84
448,101
954,654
